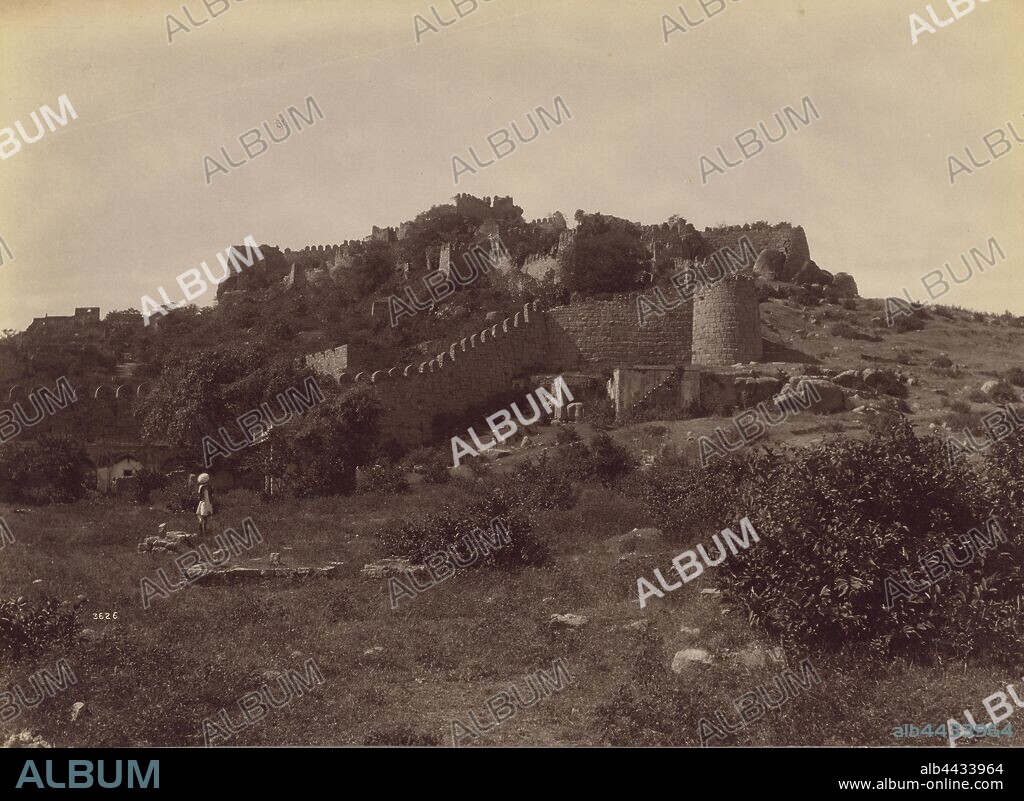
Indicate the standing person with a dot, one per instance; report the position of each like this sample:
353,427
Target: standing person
205,508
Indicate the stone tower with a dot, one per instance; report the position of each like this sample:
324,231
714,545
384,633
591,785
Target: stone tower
727,322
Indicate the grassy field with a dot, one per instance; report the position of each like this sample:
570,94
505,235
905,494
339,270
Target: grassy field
152,676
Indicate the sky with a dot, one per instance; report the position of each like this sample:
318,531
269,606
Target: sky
115,204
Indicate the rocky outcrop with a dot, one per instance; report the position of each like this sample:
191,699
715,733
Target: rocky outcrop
999,392
811,273
797,394
844,284
771,264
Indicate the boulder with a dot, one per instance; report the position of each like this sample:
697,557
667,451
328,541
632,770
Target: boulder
753,389
797,395
884,381
689,656
77,710
849,379
89,635
809,273
753,656
771,264
569,621
845,286
999,392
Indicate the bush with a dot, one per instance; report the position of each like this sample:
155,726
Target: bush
575,461
683,499
904,323
178,495
849,304
1015,376
1003,393
1003,477
960,421
611,461
458,524
48,470
146,481
434,463
839,522
26,630
536,485
903,357
567,435
959,406
942,361
975,395
383,477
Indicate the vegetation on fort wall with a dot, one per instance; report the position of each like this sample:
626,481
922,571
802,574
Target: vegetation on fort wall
607,255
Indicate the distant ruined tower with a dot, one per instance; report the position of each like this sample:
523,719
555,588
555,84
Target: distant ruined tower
727,322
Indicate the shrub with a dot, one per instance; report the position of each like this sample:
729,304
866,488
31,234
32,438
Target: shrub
478,468
600,412
26,629
839,522
567,435
942,361
904,323
685,499
434,463
1003,475
1003,393
146,481
48,470
977,396
383,477
959,406
849,304
611,460
537,485
1015,376
903,357
460,523
575,461
959,421
178,494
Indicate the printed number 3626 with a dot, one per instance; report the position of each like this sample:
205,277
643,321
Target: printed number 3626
104,615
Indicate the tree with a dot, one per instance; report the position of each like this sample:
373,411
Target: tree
321,450
124,333
607,255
